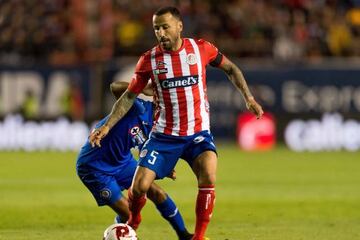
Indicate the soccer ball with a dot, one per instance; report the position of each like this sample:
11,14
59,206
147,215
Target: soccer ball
119,231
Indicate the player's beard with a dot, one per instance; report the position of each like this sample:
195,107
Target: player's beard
166,44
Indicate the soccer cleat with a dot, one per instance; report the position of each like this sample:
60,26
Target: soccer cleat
134,222
186,236
205,238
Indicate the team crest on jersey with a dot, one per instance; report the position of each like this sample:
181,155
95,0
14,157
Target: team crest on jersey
191,59
160,68
137,135
135,130
105,193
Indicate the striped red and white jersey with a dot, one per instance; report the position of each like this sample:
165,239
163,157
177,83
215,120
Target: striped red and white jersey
179,84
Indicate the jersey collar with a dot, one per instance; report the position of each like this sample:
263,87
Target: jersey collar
174,52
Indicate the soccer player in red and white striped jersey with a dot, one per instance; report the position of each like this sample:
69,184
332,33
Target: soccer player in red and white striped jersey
176,68
179,83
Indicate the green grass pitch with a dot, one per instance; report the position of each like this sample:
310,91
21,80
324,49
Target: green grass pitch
277,195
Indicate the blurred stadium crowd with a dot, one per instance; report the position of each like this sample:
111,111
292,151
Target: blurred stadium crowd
65,32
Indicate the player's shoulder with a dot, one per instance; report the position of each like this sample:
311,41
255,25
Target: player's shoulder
144,62
142,106
140,101
204,45
146,56
149,51
201,41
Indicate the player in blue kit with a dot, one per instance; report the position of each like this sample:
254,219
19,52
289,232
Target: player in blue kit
108,170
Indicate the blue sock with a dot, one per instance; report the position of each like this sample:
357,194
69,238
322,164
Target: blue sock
170,212
118,219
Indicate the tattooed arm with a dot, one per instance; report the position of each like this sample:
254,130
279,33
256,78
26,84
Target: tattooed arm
120,108
237,78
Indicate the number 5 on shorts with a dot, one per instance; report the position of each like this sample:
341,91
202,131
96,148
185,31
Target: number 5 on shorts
153,155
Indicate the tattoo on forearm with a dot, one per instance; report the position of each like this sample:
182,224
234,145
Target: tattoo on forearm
120,108
236,76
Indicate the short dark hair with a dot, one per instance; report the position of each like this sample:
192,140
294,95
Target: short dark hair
169,9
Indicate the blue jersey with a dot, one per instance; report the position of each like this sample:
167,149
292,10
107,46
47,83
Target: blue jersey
114,154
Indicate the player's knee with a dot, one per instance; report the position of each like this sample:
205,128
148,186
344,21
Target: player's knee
138,191
207,179
140,188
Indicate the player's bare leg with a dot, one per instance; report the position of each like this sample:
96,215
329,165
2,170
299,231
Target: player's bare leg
204,167
142,181
121,207
156,194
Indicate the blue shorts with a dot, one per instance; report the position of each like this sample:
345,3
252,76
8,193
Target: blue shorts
161,152
105,188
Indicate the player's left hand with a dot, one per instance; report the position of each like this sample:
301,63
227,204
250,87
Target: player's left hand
254,107
97,135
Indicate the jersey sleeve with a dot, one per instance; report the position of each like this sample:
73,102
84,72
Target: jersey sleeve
214,56
141,75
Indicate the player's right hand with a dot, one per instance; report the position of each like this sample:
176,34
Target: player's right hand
98,134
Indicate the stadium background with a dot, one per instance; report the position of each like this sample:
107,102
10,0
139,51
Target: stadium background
300,57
